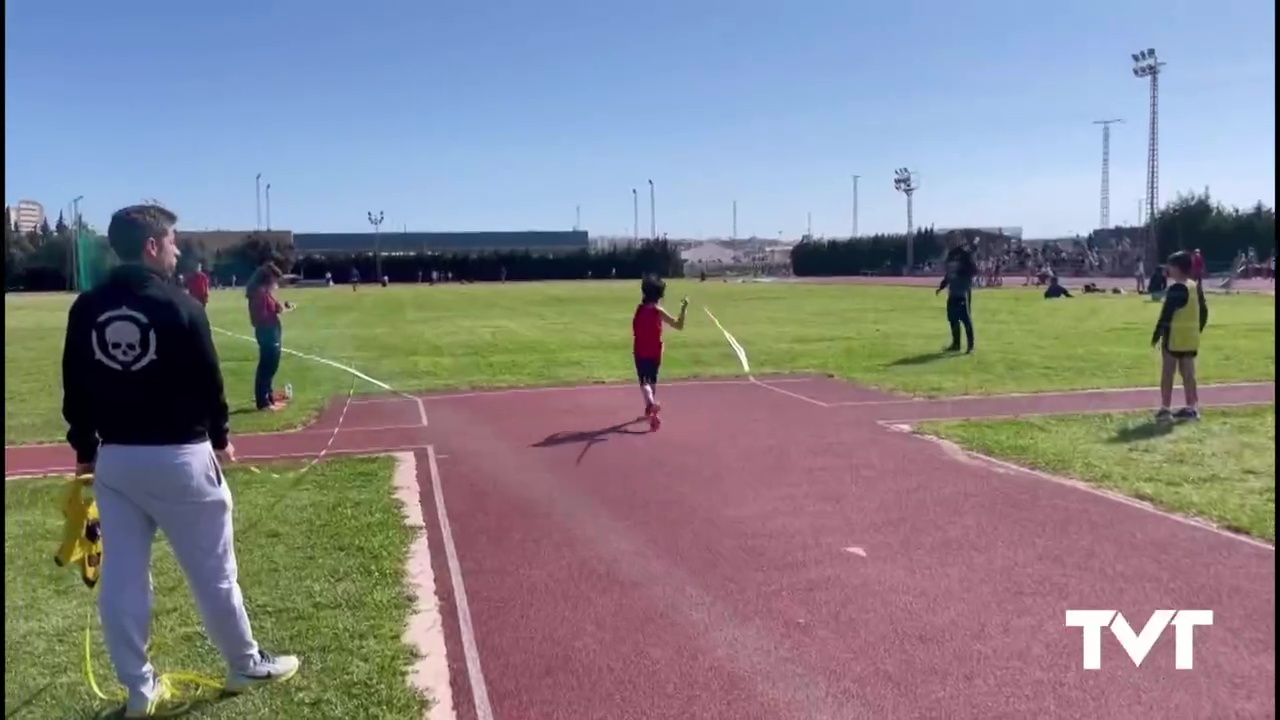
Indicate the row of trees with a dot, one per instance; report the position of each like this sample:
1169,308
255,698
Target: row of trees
1191,221
47,259
880,254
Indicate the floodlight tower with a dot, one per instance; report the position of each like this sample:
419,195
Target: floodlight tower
907,182
1104,202
376,222
1146,65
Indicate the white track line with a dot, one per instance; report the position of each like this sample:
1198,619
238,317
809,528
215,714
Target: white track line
424,633
422,410
746,366
65,469
500,392
479,691
1054,413
952,449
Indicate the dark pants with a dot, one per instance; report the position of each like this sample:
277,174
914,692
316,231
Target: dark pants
269,343
957,315
647,370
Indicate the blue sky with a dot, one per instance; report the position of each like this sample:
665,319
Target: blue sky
507,115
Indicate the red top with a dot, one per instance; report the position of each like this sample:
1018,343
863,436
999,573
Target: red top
198,286
264,309
646,327
1197,264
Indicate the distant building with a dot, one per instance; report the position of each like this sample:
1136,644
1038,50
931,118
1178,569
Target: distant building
27,215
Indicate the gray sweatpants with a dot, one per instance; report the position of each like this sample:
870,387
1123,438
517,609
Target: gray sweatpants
180,490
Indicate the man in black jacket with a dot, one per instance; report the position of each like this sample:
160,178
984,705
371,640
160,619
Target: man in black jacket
958,282
146,415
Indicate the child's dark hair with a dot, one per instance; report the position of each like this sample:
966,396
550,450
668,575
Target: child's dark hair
1182,261
652,288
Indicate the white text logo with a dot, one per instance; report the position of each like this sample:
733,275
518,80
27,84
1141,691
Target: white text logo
1137,645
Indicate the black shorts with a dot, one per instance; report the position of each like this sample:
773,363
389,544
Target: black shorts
1178,354
647,370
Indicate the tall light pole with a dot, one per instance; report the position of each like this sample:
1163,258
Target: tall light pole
577,217
854,234
907,182
808,224
1104,199
268,194
376,222
635,211
1145,65
257,201
653,214
74,279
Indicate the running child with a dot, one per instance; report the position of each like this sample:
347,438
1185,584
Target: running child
1178,330
646,328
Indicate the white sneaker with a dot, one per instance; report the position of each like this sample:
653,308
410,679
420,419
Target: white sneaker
267,670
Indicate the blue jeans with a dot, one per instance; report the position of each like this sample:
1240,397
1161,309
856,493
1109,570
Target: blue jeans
269,343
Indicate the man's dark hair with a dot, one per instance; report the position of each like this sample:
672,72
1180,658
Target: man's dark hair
132,226
1182,261
652,288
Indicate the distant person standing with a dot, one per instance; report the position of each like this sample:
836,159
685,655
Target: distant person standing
264,314
958,282
198,285
147,417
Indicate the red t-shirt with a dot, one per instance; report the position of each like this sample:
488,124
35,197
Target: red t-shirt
198,286
646,328
1197,265
264,309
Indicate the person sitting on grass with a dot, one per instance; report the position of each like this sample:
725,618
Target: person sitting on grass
264,314
1178,333
1055,290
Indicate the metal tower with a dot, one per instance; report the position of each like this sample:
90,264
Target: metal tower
1145,65
1104,203
907,182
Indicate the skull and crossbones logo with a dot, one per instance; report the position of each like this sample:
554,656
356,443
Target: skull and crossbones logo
124,339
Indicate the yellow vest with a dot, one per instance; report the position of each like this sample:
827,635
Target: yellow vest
1184,329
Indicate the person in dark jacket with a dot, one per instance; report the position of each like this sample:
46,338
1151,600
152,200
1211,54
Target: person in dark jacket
264,315
958,282
147,417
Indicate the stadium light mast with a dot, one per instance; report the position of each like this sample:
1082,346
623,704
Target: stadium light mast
907,182
1146,65
376,222
268,196
74,255
1104,198
653,214
854,234
635,216
257,201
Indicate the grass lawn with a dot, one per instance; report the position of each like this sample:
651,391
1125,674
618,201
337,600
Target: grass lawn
344,617
1222,469
420,337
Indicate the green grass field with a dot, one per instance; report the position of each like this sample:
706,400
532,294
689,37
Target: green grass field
1222,469
419,337
346,619
304,594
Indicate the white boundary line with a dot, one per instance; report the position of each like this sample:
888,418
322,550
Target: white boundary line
746,367
957,452
429,396
422,410
1055,413
66,469
424,633
479,691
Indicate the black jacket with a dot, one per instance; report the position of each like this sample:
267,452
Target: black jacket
139,367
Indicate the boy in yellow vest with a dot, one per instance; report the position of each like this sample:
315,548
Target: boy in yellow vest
1178,330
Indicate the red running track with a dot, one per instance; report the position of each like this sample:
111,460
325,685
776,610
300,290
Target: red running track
704,571
775,552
